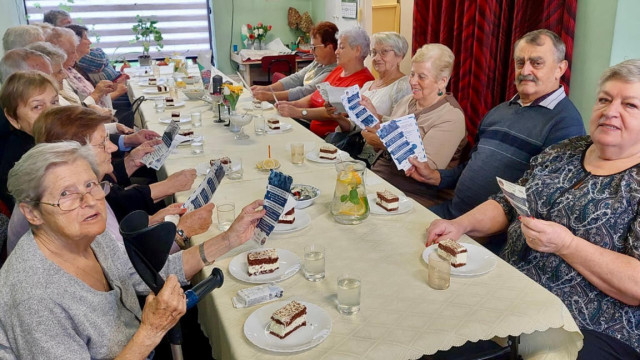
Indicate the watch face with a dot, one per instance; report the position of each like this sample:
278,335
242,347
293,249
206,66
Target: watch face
304,112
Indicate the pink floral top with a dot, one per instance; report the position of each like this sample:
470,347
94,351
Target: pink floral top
82,86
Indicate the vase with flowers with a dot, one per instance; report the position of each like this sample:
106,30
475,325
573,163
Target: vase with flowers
231,94
257,34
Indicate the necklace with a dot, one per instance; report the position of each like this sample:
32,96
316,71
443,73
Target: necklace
382,83
72,267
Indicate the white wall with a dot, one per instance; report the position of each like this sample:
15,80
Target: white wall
333,9
12,14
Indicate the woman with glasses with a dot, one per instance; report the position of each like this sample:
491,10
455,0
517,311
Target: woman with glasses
439,118
72,286
353,48
87,126
303,83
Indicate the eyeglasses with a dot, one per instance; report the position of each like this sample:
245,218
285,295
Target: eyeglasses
382,52
313,47
104,144
72,200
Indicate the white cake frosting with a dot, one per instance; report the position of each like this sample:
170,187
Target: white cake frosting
282,330
391,206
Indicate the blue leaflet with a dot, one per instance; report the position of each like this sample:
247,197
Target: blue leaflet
203,194
278,191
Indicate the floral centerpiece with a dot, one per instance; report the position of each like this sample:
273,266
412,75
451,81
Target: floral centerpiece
258,33
231,94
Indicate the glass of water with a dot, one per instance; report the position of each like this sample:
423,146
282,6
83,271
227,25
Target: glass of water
197,145
348,294
196,119
439,269
226,215
313,267
159,105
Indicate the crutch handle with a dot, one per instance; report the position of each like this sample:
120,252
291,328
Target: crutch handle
207,285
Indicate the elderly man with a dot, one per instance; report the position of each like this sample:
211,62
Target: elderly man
20,36
539,115
57,17
23,60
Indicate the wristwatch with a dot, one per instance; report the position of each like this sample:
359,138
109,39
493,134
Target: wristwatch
304,112
185,239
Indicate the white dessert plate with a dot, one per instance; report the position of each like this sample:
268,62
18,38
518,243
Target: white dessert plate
168,120
187,140
289,266
302,221
404,205
284,127
479,260
154,91
175,105
315,157
318,328
145,83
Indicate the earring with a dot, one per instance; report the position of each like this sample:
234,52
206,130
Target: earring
440,92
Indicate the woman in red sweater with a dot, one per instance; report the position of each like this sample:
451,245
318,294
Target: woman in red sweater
353,48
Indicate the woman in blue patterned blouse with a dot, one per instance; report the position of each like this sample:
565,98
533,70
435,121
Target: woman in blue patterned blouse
583,241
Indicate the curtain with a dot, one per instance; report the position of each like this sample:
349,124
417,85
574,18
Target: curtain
481,34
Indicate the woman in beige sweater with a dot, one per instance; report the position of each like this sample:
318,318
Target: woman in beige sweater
439,118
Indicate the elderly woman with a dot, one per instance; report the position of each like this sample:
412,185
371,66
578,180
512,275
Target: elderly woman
22,98
57,58
353,48
438,115
583,241
88,94
73,288
303,83
82,124
20,36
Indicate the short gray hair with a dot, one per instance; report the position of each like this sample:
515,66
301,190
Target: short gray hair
54,16
58,34
627,71
440,57
25,179
16,60
357,36
55,54
535,38
397,42
20,36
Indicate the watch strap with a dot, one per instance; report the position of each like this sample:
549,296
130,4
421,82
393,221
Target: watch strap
203,257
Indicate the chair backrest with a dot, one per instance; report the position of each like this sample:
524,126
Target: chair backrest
285,64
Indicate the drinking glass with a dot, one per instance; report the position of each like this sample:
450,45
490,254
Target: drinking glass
313,266
259,124
297,153
348,294
226,215
197,145
439,272
159,105
196,118
234,170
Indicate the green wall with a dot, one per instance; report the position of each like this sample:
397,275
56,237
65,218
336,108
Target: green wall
273,12
626,44
12,15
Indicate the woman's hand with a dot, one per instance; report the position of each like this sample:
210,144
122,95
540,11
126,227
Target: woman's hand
133,160
443,229
103,88
182,180
286,109
421,171
366,102
173,209
162,311
123,129
140,136
120,89
197,221
243,226
546,236
371,137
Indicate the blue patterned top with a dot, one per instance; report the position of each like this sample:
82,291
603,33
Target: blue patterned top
601,209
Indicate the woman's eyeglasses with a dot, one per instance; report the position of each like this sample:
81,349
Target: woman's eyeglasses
313,47
382,52
103,145
72,200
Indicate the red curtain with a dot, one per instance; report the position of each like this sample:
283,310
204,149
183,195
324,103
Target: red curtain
481,34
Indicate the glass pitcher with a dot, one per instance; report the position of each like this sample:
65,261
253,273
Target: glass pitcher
350,205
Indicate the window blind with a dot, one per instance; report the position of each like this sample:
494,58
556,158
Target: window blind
184,24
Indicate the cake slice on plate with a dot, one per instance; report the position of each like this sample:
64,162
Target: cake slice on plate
387,200
262,262
453,251
288,319
328,152
273,124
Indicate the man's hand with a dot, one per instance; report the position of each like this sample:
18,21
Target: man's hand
197,221
421,171
242,227
139,137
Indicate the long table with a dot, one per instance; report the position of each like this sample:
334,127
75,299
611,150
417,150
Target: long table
401,317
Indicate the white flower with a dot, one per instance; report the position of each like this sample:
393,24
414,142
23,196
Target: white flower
255,32
261,31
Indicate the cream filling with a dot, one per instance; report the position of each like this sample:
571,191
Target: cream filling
282,330
288,217
393,205
271,126
254,269
458,259
328,155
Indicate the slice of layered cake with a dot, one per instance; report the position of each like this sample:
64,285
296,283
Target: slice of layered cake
387,200
152,81
175,116
168,101
162,88
288,319
328,152
288,217
274,124
453,251
263,262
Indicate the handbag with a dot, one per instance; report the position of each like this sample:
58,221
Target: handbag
126,114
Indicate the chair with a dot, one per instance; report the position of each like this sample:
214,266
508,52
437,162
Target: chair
285,64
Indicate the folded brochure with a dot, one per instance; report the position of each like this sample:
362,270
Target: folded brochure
360,115
516,195
275,200
402,139
204,192
161,152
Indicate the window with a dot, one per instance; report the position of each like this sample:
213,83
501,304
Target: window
184,23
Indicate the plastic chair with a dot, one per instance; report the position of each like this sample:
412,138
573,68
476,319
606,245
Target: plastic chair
285,64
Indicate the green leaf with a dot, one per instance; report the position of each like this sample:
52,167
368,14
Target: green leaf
344,198
353,197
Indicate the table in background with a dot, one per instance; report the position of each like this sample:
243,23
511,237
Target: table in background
401,316
252,69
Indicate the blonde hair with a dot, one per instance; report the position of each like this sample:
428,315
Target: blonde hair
20,87
627,71
440,57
